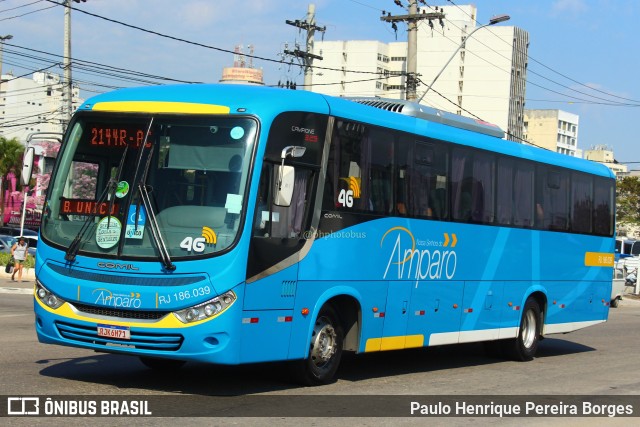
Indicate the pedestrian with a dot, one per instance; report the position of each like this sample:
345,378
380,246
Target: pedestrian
19,253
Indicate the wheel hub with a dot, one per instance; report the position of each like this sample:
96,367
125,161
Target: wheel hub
323,342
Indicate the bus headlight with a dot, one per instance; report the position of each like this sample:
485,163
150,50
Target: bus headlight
48,298
206,309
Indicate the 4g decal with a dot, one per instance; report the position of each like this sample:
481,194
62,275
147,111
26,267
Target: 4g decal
345,197
199,244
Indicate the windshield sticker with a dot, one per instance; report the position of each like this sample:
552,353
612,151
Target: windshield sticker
108,232
209,235
122,189
132,231
237,132
191,244
233,203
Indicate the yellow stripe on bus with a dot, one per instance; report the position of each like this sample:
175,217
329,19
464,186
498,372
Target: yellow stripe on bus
161,107
394,343
169,321
598,259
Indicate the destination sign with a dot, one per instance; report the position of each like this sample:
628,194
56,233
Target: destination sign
114,136
86,207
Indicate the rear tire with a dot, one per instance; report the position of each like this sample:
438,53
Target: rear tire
615,302
325,350
165,365
523,348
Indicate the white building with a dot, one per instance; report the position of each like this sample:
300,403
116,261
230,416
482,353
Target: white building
555,130
33,105
486,78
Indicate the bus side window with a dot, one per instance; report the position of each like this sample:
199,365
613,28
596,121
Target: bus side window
523,188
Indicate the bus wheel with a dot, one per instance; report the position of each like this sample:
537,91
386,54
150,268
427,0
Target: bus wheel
158,364
524,347
615,302
325,349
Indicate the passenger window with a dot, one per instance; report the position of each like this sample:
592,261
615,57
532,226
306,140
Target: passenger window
473,186
582,203
603,207
552,198
359,170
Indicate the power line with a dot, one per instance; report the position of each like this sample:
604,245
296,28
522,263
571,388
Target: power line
553,70
21,6
219,49
25,14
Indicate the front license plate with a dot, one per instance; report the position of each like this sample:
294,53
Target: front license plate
112,331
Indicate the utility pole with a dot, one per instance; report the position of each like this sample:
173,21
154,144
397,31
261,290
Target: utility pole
2,40
68,84
68,92
412,42
309,25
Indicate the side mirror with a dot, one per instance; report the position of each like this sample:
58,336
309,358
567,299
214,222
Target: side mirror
286,176
284,186
27,166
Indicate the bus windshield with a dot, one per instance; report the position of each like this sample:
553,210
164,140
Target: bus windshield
127,186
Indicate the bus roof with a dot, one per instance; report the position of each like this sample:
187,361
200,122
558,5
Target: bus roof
396,114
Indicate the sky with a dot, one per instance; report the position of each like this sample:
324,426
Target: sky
583,54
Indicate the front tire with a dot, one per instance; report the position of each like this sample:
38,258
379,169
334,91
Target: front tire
523,348
325,349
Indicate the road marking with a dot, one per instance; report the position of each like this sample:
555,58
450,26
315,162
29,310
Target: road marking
22,291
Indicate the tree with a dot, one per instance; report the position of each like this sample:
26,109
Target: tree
628,200
11,152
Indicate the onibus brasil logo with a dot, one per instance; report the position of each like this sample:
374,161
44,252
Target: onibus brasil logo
417,259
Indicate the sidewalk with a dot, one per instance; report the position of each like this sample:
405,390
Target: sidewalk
28,279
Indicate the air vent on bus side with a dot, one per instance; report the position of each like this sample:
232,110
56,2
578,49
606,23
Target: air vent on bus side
412,109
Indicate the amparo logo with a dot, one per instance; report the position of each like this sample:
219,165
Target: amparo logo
107,298
420,259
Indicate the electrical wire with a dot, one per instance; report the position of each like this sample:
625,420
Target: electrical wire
219,49
27,13
551,69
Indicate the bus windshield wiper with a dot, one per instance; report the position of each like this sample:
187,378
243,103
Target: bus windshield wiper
109,194
113,184
155,228
73,248
146,201
153,221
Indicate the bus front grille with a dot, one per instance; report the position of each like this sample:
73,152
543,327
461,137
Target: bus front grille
118,313
140,340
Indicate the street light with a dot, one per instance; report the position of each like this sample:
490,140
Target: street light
2,40
492,21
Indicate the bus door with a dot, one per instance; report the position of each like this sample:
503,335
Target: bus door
481,311
435,311
396,315
283,209
278,237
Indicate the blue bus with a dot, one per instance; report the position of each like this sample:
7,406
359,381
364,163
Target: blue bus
237,224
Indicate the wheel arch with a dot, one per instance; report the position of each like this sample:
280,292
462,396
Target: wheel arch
347,303
349,311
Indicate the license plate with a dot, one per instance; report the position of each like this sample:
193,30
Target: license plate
112,331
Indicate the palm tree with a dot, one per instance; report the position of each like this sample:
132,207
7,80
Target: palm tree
11,152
